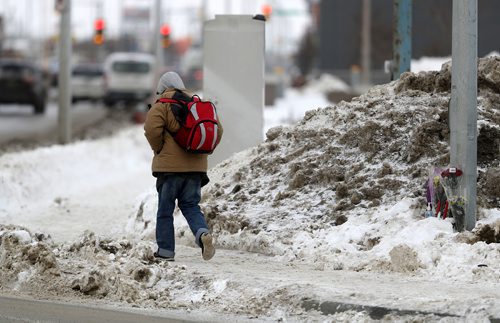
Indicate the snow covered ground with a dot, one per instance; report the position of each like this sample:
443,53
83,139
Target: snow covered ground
326,212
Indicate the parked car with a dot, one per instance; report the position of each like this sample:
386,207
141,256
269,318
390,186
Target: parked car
87,82
130,77
24,83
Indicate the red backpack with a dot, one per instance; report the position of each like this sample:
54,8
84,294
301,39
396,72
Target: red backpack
198,121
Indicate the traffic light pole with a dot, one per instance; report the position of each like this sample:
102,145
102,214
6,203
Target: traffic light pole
157,39
100,47
463,106
64,116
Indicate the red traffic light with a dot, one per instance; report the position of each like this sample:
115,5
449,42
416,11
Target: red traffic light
267,10
99,24
165,30
99,31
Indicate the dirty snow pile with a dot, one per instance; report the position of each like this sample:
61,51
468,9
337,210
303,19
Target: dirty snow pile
341,190
344,188
111,270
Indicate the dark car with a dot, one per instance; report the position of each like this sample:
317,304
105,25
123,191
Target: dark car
24,83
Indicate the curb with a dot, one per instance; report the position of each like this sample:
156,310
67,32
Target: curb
375,312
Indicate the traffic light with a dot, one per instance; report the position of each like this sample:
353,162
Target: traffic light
99,31
267,10
165,35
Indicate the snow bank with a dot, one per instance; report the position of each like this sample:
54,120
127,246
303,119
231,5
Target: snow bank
425,64
65,189
24,178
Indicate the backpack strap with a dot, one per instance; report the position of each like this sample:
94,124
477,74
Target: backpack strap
179,109
166,100
179,97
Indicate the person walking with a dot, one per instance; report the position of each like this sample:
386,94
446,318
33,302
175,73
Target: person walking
179,174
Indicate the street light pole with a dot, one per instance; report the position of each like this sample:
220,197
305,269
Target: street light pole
64,117
463,106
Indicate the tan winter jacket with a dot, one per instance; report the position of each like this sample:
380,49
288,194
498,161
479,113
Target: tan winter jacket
168,156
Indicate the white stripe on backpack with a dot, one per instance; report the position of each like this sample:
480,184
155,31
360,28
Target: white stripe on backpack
216,134
194,112
203,136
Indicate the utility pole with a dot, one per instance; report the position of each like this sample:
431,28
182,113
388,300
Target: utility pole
366,43
203,13
1,33
463,106
402,37
64,7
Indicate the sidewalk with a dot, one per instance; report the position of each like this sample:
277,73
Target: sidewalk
378,294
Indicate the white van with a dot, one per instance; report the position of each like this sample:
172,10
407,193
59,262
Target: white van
130,77
87,82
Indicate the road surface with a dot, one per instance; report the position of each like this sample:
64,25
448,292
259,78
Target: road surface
18,123
13,309
16,309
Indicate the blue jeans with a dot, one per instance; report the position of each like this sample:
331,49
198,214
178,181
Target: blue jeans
186,189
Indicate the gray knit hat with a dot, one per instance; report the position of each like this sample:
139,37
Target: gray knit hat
169,80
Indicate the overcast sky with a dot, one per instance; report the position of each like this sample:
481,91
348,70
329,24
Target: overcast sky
38,18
